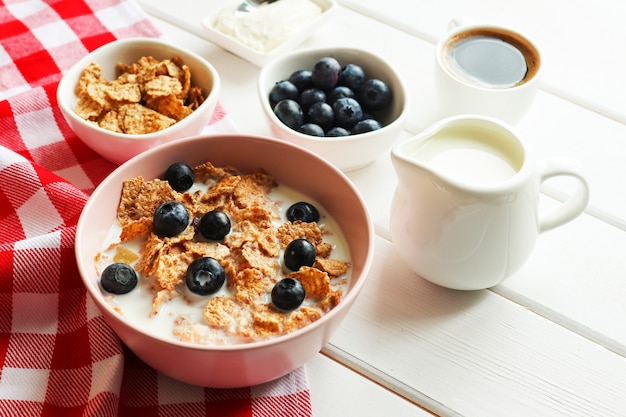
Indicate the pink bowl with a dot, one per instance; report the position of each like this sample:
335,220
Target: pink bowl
244,364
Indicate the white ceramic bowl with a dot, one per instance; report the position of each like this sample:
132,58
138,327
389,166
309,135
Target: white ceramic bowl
346,152
260,58
244,364
119,147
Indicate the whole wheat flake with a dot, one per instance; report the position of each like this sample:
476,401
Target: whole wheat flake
147,96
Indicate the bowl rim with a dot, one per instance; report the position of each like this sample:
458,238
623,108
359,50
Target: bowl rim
78,66
322,51
97,297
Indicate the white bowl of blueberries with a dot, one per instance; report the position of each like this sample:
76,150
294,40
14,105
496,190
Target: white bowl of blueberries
346,104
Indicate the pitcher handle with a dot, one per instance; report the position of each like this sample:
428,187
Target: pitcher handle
575,204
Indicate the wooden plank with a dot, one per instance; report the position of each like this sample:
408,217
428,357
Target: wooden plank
474,353
575,278
337,391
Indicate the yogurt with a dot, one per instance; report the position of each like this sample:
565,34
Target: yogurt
269,25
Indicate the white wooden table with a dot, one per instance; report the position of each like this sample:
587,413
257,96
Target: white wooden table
550,341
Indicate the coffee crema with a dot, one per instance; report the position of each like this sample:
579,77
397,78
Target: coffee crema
491,58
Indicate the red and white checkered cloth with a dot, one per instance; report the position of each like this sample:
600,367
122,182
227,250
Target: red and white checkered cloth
57,355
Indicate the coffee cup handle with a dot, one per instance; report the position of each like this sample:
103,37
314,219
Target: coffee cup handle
575,204
460,21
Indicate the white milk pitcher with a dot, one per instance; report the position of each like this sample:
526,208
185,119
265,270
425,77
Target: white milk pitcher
465,212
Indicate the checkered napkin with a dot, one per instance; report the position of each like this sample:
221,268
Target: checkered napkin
57,355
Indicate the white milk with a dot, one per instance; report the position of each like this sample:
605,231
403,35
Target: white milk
469,156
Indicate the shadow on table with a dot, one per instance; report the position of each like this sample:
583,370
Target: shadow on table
402,296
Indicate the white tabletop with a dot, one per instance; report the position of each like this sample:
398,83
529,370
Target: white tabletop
549,341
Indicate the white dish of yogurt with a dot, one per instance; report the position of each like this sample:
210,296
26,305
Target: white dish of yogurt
270,30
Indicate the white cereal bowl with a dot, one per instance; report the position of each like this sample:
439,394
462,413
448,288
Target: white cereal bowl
261,58
119,147
238,365
346,152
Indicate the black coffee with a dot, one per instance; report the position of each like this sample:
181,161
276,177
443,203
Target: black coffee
492,59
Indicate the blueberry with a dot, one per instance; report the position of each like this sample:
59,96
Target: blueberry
311,96
348,112
300,252
352,76
288,294
302,79
325,73
337,132
303,211
283,90
367,115
205,276
374,94
118,278
180,176
311,129
290,113
339,92
321,114
214,225
170,219
365,125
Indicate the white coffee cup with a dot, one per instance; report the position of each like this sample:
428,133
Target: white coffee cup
486,69
465,213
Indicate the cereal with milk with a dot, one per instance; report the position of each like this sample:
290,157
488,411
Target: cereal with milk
250,254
